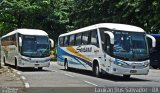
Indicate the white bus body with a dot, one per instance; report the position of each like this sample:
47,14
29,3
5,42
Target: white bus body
26,48
105,48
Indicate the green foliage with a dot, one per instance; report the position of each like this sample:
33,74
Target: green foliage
142,13
53,54
48,15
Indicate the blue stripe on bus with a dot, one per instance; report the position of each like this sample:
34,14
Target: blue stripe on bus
64,53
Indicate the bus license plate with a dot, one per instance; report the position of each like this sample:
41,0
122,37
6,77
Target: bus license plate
36,65
133,71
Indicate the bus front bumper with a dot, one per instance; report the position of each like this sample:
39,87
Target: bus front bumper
25,64
129,71
35,62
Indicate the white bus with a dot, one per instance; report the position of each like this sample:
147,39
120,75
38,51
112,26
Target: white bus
105,48
26,48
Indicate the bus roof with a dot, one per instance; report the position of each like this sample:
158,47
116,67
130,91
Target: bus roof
114,26
155,35
27,32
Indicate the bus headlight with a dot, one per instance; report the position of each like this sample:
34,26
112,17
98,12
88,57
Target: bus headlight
24,59
146,64
20,59
121,63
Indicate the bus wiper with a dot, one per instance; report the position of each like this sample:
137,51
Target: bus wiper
32,54
44,52
141,58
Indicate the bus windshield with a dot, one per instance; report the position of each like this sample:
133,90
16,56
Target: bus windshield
35,46
130,45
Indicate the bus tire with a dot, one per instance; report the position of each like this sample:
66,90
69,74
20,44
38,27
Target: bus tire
40,68
66,65
4,61
96,71
127,76
16,66
155,67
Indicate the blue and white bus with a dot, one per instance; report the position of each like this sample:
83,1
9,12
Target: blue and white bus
105,48
26,48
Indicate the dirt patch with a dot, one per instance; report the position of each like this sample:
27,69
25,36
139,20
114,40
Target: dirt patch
10,82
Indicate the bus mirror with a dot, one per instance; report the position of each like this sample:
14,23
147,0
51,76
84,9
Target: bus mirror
153,40
111,36
51,43
20,41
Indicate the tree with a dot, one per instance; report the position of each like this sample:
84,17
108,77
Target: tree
142,13
60,16
48,15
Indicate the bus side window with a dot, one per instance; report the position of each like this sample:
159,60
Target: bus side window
78,39
72,40
66,41
61,41
85,38
13,39
94,38
89,37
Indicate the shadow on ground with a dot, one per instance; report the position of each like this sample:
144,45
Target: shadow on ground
28,69
116,78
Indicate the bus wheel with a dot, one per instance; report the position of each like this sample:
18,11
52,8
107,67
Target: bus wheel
96,71
155,67
16,66
4,61
66,65
40,68
126,76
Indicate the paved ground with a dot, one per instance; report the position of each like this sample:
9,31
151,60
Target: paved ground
56,80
